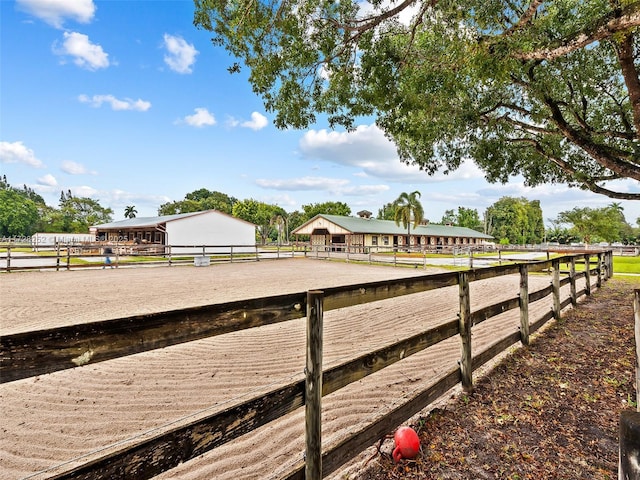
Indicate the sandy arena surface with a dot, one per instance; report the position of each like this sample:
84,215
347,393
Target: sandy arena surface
53,422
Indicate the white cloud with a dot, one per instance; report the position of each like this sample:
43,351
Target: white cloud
123,198
337,186
85,54
368,149
231,122
201,118
257,122
181,55
85,191
48,181
54,12
73,168
303,183
116,104
17,152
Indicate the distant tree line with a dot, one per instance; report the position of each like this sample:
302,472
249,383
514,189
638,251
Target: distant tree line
509,220
23,212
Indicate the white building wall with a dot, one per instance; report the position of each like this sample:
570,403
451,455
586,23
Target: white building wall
211,228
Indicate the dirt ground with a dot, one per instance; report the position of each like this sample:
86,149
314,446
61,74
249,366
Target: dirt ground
50,423
550,411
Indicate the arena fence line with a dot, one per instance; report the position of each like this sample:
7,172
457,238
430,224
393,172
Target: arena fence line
29,354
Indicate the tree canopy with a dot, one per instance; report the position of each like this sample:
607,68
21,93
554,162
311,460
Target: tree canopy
548,89
515,221
199,200
328,208
597,224
261,214
465,217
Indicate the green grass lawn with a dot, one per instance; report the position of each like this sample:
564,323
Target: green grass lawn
626,264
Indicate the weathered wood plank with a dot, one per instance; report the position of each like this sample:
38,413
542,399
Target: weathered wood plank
165,451
540,294
371,362
535,326
523,300
28,354
495,349
484,273
160,453
555,282
465,332
490,311
340,297
313,386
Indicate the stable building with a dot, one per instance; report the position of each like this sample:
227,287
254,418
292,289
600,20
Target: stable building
361,233
189,230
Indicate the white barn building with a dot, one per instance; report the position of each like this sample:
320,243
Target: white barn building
183,232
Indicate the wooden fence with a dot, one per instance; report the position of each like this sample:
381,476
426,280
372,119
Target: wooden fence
77,256
28,354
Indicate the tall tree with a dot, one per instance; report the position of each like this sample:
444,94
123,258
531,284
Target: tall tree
18,214
449,217
199,200
409,210
516,220
548,89
328,208
468,217
596,224
259,213
387,212
77,214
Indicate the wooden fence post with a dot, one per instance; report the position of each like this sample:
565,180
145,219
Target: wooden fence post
464,318
57,256
556,288
524,304
68,258
610,263
599,271
636,310
313,386
572,279
587,272
8,259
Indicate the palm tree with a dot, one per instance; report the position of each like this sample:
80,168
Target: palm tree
279,221
130,211
408,210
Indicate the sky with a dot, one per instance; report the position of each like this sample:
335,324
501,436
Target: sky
128,103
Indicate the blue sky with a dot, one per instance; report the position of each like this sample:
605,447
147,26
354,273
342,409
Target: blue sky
126,102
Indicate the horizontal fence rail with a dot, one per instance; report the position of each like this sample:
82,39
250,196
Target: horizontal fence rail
28,354
93,255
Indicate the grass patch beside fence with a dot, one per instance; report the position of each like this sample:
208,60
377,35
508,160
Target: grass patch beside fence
626,264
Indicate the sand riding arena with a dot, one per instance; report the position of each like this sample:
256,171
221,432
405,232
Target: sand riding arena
52,423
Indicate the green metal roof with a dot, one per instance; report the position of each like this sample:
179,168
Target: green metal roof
388,227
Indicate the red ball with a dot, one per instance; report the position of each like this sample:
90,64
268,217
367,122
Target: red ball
407,444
